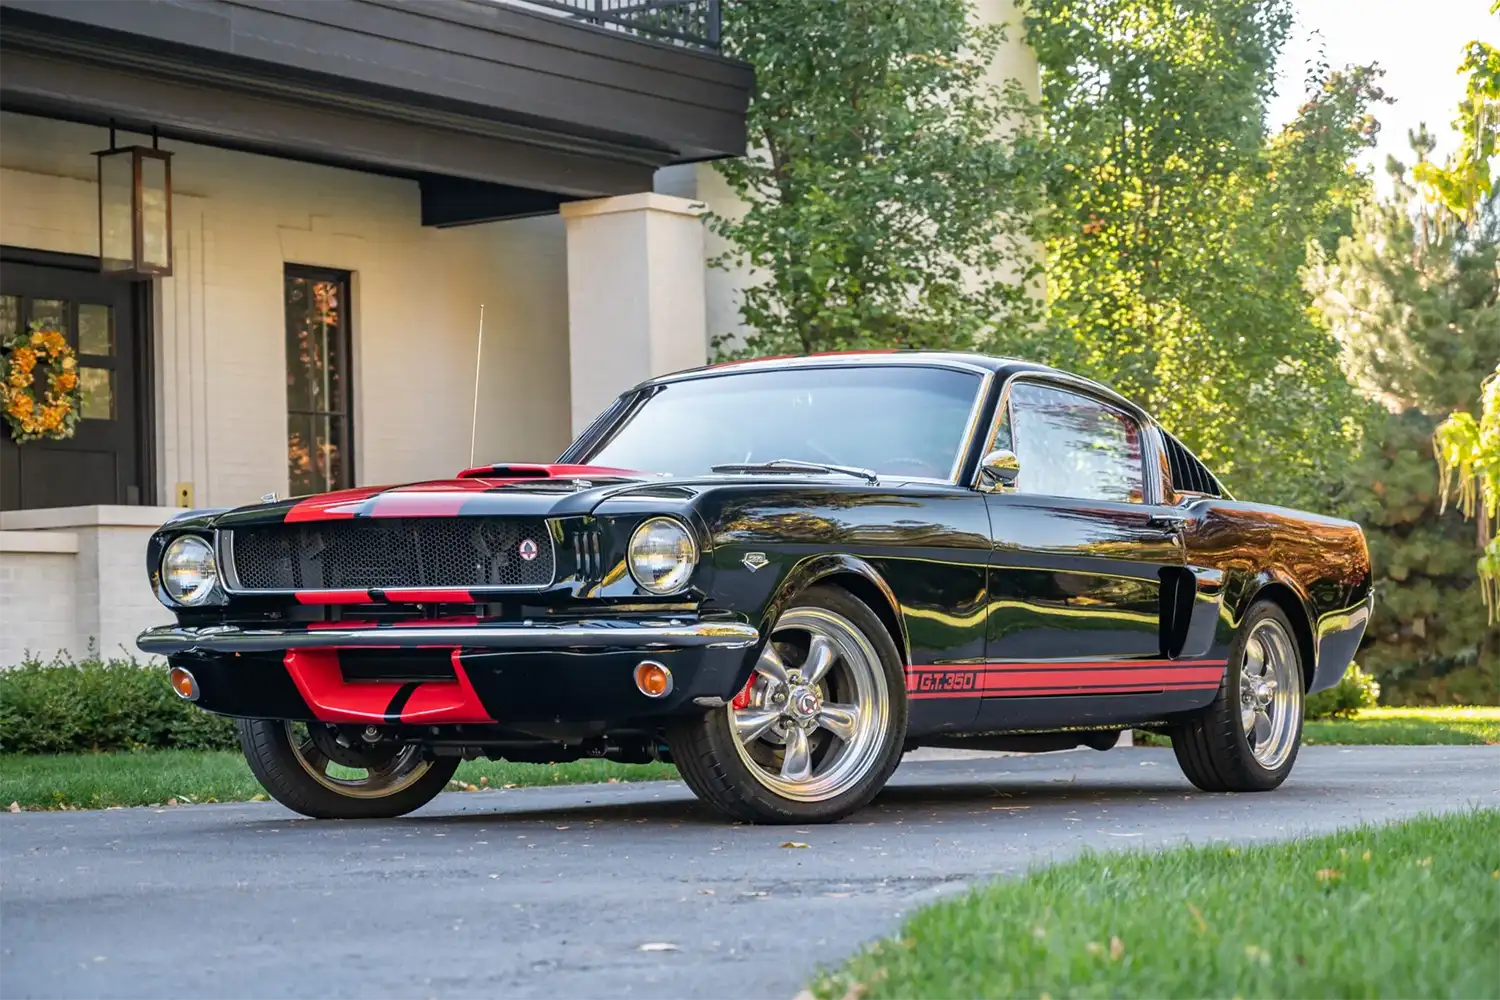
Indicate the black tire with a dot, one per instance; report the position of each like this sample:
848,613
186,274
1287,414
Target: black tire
710,761
1212,747
277,766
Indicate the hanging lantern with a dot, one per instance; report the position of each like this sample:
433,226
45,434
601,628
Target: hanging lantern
135,211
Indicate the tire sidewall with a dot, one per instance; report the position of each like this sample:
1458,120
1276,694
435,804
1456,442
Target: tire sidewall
268,750
764,803
1258,774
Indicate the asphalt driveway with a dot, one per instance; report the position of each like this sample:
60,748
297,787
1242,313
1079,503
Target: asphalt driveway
608,890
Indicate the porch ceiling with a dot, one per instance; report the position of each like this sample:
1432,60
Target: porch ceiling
497,111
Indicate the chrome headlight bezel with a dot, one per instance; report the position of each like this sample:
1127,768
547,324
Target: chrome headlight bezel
674,580
187,555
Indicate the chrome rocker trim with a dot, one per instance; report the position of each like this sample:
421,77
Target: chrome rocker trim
166,640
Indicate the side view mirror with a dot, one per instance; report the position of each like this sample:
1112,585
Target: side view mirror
999,469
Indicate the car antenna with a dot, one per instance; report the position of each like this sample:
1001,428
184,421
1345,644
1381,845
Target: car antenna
478,356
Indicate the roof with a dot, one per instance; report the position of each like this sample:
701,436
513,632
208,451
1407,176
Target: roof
832,359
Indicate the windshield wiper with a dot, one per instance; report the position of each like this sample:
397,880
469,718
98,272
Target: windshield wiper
792,465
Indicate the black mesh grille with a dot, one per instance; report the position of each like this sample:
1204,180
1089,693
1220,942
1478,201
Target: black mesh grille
1188,474
394,552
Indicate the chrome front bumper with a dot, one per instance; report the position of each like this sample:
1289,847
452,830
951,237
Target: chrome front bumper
591,634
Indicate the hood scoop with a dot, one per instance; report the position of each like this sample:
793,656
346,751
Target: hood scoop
514,471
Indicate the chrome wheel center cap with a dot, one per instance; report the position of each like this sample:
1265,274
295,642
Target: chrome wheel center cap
804,703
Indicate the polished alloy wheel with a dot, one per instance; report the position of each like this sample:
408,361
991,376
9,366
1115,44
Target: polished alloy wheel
1270,693
345,766
811,722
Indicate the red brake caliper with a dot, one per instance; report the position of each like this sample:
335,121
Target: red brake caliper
742,700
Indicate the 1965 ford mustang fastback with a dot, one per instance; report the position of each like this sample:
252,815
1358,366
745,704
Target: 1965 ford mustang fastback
779,575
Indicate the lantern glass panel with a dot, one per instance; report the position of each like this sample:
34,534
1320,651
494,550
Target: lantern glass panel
156,241
116,188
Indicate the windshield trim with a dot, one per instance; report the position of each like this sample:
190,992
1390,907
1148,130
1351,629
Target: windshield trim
598,434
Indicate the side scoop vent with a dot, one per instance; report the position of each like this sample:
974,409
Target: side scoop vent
586,555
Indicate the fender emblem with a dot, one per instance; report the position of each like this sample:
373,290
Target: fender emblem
527,549
754,560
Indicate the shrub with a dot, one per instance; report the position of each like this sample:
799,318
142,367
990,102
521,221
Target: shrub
94,705
1354,691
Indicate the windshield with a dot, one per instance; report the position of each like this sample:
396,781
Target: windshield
896,420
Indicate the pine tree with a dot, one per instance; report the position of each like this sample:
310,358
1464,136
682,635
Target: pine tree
1412,295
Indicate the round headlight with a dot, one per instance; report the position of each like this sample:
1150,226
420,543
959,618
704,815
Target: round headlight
188,571
662,555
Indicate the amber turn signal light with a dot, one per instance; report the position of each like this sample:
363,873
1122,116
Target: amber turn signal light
184,683
654,680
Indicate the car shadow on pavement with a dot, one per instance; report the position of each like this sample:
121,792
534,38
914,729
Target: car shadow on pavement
896,803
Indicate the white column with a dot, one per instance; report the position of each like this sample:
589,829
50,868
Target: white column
635,294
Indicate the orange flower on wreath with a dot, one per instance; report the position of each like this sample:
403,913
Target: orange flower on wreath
54,415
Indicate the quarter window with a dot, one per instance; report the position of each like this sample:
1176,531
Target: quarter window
318,434
1070,445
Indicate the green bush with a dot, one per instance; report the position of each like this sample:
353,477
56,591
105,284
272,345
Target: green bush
1354,691
95,705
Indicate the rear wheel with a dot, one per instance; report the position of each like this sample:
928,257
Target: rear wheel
1247,739
818,729
311,768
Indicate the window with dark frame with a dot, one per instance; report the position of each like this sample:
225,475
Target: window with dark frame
318,380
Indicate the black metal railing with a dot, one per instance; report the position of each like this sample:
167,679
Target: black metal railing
693,23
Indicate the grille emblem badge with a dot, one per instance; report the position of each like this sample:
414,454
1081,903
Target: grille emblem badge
754,560
527,548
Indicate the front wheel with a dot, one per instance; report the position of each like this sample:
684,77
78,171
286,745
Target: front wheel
1247,739
311,768
818,729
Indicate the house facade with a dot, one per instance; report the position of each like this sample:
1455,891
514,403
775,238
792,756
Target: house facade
353,183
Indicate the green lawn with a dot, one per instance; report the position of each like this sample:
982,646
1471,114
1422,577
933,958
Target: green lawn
1411,910
1408,726
94,781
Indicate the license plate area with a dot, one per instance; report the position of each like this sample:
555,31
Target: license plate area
402,666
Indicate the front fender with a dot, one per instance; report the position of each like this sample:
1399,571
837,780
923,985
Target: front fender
819,567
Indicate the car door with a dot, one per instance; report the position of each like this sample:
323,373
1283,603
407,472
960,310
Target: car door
1081,547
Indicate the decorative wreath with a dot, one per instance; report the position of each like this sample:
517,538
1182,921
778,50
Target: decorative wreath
56,413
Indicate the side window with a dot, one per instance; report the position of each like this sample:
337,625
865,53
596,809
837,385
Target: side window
1073,446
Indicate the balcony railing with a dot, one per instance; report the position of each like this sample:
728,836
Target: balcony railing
691,23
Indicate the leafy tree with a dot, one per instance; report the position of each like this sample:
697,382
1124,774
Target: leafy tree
1412,294
1178,227
1465,181
1469,453
887,201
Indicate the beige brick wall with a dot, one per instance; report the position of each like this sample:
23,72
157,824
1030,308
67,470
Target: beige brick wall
37,580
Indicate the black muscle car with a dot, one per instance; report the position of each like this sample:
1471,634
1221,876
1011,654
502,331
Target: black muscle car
779,575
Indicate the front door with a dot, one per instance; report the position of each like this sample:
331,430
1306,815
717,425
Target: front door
102,462
1077,566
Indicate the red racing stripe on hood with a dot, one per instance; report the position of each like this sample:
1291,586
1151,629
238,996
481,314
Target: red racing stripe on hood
334,506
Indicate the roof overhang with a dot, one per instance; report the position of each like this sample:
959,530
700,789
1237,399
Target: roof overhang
498,112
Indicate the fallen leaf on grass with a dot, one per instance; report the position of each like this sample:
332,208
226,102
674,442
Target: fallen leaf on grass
15,807
1116,949
1329,874
793,843
171,802
260,797
1198,916
658,946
